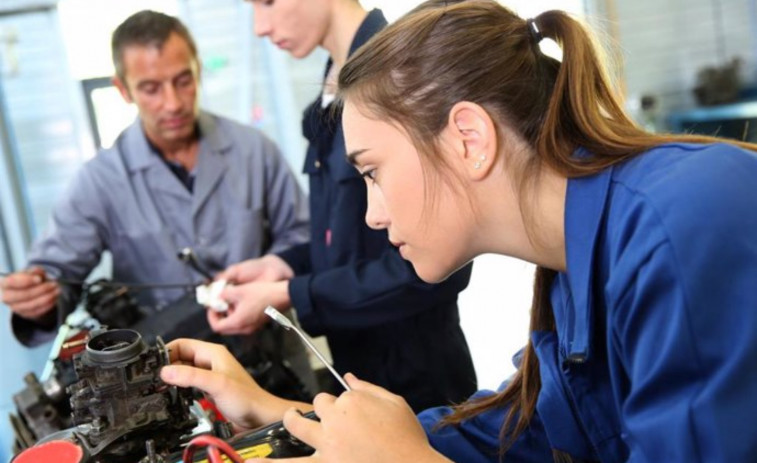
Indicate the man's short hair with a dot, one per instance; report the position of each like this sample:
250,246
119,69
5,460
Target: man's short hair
146,28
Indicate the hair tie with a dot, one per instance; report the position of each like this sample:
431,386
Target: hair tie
533,29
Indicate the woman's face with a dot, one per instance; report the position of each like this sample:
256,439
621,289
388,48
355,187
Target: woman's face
296,26
432,238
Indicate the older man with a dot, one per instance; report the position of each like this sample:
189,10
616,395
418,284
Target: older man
177,177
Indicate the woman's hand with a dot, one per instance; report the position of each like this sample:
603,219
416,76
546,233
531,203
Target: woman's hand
212,369
367,423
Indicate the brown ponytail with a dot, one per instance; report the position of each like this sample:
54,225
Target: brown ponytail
584,110
523,390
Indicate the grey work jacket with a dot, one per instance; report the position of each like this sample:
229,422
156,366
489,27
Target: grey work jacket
246,202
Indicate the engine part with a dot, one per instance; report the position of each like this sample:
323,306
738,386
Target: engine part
113,306
39,414
43,410
272,441
123,413
121,409
42,407
119,393
57,451
209,295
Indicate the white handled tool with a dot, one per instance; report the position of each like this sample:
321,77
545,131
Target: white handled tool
279,318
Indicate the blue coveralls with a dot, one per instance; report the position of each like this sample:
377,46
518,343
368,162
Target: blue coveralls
654,358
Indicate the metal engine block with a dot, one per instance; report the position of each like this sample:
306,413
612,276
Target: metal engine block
121,409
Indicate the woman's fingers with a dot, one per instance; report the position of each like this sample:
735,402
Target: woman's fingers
198,353
370,388
207,381
307,430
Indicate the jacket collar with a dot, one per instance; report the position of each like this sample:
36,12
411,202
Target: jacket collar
135,150
373,22
585,204
319,125
211,162
141,154
138,155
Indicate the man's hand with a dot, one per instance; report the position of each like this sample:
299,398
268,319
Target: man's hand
28,294
247,304
266,268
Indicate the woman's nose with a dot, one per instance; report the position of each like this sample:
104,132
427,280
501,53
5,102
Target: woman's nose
375,215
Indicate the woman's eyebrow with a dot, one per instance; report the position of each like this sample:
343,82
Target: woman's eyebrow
352,155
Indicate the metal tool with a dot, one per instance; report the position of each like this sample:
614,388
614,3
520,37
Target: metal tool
188,256
279,318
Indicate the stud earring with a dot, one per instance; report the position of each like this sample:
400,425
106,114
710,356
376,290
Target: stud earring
477,164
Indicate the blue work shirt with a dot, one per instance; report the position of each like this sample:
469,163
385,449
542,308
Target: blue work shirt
382,322
654,358
245,202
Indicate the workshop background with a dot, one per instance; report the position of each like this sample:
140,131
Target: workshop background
684,65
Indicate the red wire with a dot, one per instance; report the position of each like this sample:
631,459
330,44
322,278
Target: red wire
216,448
214,455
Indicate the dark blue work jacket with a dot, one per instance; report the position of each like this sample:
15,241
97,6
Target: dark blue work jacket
654,356
381,321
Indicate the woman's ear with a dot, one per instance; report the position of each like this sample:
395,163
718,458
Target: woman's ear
474,135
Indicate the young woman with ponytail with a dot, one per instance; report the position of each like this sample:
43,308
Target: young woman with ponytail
643,341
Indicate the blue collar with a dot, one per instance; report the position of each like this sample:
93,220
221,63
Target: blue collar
585,205
373,22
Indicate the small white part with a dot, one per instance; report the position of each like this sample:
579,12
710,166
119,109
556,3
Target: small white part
210,296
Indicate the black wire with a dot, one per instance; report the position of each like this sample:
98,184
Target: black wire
117,284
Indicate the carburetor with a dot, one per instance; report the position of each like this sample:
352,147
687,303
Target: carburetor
121,409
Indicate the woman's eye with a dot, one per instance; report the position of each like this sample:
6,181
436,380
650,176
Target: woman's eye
370,174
